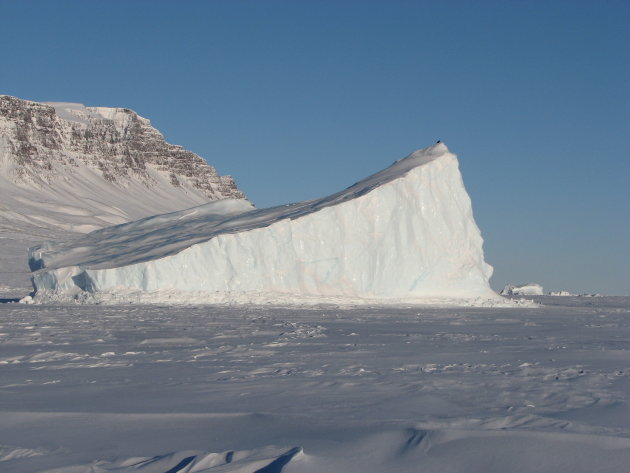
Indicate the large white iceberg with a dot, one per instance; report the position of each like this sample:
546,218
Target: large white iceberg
405,234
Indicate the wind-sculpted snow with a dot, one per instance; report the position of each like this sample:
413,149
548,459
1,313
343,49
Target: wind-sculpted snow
403,234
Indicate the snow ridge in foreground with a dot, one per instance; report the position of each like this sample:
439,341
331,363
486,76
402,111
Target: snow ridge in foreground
404,234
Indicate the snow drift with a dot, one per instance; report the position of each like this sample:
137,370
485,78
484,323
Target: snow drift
406,233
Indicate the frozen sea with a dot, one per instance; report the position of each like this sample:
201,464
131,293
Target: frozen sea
148,388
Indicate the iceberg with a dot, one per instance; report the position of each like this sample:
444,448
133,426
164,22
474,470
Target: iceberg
561,294
530,289
405,234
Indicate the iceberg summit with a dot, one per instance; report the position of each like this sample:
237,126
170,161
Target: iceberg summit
403,235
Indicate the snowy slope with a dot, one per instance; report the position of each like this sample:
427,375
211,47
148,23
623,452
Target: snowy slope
67,169
404,233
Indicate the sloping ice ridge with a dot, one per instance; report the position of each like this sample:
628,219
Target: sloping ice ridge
405,234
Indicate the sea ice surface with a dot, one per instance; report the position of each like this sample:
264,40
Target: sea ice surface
150,388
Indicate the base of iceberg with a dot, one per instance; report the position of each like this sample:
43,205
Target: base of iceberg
403,235
124,296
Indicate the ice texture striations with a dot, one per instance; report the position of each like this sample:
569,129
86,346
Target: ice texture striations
406,233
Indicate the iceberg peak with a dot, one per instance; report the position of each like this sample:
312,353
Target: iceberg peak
438,148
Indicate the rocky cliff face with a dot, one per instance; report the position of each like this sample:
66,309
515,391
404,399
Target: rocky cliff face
67,169
46,141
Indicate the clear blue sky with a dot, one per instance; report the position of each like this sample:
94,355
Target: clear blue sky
298,99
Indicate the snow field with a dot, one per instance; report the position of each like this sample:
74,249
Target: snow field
368,389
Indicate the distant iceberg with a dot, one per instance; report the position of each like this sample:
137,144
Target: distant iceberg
531,289
405,234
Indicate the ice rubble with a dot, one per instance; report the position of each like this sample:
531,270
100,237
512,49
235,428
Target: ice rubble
406,234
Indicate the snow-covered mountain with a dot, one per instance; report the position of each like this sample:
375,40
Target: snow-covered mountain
406,233
67,169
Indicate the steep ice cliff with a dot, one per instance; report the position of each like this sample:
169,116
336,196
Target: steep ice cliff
406,233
